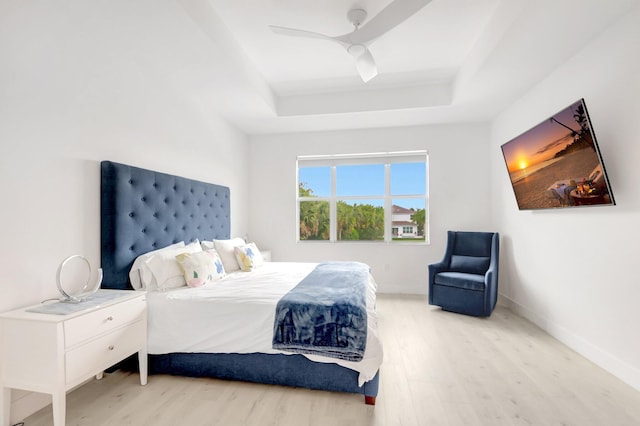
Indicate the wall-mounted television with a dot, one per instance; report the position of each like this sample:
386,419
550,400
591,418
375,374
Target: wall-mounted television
557,163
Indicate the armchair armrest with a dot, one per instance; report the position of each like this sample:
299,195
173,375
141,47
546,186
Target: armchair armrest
491,276
438,267
435,268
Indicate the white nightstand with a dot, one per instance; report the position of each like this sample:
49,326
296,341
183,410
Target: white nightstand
52,353
266,255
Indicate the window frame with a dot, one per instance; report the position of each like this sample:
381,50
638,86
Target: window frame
385,158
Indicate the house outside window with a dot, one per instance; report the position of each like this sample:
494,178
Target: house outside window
402,224
363,197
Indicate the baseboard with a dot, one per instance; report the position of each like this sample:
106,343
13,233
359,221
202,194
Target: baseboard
503,301
593,353
422,291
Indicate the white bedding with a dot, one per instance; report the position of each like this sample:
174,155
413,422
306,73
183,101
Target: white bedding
236,315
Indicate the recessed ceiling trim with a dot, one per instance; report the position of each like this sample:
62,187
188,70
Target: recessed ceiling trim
418,96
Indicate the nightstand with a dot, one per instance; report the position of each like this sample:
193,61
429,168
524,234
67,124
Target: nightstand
52,353
266,255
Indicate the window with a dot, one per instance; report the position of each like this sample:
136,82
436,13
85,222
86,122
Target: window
363,197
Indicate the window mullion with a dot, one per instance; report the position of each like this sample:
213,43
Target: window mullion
388,208
333,208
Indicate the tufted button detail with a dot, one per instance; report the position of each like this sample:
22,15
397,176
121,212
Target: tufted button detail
131,214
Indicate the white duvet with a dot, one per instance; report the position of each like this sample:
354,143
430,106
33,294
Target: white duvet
236,315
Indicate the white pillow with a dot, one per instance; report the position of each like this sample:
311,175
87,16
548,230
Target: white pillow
201,268
248,256
207,245
164,268
138,266
225,250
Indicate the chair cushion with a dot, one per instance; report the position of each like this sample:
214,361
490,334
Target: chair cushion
461,280
469,264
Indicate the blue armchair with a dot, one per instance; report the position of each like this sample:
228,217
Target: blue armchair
466,279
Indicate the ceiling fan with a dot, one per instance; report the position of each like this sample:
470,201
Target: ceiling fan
356,42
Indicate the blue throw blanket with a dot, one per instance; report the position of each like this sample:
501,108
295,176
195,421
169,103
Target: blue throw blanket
326,313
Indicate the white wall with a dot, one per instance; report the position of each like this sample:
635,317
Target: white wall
83,84
459,196
85,81
574,272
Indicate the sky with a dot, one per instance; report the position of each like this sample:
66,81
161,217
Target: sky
368,180
541,142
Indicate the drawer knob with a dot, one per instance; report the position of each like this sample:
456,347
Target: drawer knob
110,347
109,318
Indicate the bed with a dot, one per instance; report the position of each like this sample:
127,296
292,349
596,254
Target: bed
144,210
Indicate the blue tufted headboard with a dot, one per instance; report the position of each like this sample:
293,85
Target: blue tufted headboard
142,210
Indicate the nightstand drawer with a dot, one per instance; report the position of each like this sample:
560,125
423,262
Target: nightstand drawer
94,324
103,352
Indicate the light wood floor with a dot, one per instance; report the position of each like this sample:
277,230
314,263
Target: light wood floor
440,369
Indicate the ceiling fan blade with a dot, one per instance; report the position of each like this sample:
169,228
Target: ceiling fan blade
394,14
299,33
365,64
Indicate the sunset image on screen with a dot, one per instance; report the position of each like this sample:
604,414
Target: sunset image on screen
557,163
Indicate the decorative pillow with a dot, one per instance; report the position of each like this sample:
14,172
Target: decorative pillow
164,268
225,250
138,269
207,245
201,268
248,257
469,264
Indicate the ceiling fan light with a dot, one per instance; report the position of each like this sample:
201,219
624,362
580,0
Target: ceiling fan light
356,50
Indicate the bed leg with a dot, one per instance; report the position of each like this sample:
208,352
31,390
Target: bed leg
370,400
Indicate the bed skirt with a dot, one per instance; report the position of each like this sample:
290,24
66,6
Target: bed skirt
274,369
